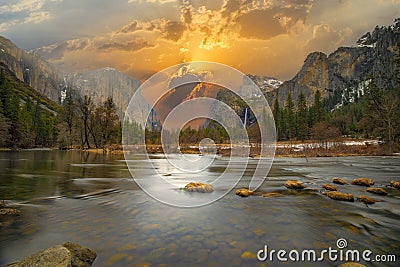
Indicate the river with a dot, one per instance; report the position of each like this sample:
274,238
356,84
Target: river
91,199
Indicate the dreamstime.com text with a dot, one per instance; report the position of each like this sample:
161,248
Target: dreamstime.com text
330,254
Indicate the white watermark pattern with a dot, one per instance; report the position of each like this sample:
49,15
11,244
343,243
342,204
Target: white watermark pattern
340,253
172,99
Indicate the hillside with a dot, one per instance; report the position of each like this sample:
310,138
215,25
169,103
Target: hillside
30,69
103,83
344,74
28,118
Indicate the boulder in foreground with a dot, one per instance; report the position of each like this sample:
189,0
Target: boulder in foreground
366,200
363,182
377,191
336,195
329,187
339,181
244,192
294,184
395,184
67,254
199,187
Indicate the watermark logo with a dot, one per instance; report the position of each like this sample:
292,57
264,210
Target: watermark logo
199,95
340,253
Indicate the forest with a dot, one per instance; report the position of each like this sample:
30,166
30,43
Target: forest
28,120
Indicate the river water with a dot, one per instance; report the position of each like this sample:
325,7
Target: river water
91,199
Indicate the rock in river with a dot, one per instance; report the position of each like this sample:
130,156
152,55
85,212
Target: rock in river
395,184
339,181
329,187
366,200
9,211
244,192
199,187
272,194
67,254
363,182
294,184
340,196
377,191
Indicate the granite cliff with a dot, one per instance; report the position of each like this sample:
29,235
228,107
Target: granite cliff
31,69
344,74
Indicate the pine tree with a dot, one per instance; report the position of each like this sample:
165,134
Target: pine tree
290,117
317,107
277,115
302,123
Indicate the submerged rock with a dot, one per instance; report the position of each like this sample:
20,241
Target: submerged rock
363,182
352,264
199,187
395,184
9,211
329,187
294,184
377,191
366,200
272,194
248,255
336,195
67,254
339,181
244,192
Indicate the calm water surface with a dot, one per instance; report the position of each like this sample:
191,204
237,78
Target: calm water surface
90,199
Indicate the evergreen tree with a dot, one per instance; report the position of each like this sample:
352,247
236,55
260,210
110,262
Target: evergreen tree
289,115
302,122
317,107
277,117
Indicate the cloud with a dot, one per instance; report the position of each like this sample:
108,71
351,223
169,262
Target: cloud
173,30
264,37
325,38
37,17
261,24
133,45
24,12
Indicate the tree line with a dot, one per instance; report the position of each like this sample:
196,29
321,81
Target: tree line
26,119
29,120
84,124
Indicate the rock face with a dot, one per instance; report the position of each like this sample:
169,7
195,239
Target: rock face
395,184
199,187
31,69
339,181
67,254
103,83
377,191
294,184
366,200
244,192
329,187
344,74
340,196
363,182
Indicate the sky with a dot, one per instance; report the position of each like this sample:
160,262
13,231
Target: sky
140,37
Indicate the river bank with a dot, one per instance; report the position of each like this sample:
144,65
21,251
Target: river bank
294,149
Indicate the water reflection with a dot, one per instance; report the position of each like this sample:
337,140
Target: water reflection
90,199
